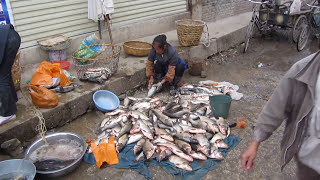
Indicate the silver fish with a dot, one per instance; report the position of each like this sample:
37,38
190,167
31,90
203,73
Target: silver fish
193,130
126,102
141,105
198,155
184,146
164,119
140,157
215,154
134,138
125,129
180,163
104,121
122,142
217,137
145,129
135,128
184,136
152,91
138,115
65,89
148,149
138,147
221,144
115,112
163,134
177,151
204,143
164,154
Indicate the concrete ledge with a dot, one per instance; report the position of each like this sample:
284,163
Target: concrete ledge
225,34
121,33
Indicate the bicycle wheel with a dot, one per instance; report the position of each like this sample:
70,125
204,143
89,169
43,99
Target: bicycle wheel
248,36
297,27
303,37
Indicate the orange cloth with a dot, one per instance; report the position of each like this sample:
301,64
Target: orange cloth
149,68
105,152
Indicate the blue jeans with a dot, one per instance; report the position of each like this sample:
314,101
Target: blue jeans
8,93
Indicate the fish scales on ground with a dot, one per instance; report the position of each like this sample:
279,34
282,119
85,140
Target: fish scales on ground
180,129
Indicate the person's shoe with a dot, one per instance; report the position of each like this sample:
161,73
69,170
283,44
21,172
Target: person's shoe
6,119
172,91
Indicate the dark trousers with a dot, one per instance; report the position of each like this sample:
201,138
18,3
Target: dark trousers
306,173
8,93
160,72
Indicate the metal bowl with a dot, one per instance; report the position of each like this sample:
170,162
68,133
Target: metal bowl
10,167
53,139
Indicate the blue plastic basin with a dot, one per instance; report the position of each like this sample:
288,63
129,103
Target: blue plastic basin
105,100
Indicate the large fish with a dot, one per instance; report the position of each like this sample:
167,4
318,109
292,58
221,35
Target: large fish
140,156
175,115
204,144
164,119
148,149
125,129
164,153
185,137
134,138
198,155
193,130
135,128
145,129
162,133
180,163
177,151
122,142
138,115
214,153
217,137
184,146
152,91
138,147
141,106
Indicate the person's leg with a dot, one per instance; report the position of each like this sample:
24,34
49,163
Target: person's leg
159,72
304,172
7,92
177,78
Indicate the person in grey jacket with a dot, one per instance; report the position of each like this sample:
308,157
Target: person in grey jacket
9,46
293,101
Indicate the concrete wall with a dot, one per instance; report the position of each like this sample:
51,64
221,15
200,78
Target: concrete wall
122,33
213,10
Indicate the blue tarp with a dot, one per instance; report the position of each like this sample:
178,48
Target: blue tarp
200,168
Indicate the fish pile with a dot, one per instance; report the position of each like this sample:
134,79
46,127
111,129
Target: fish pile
180,130
96,75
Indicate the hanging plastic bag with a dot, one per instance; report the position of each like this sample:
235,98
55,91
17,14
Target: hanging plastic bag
49,75
105,152
43,97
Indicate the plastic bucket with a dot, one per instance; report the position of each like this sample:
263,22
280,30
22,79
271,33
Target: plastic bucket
220,105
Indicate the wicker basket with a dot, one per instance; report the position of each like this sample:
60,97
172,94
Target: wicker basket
189,31
107,57
55,43
137,48
16,72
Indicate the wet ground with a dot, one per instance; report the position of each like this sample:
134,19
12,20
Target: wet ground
257,73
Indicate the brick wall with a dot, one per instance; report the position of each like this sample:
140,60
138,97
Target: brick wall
213,10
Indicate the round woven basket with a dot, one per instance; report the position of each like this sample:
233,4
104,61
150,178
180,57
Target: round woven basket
55,43
189,31
137,48
106,57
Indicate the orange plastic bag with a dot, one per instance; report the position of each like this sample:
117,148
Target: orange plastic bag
43,97
105,152
46,71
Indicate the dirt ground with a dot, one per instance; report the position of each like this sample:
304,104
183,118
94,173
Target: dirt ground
257,73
